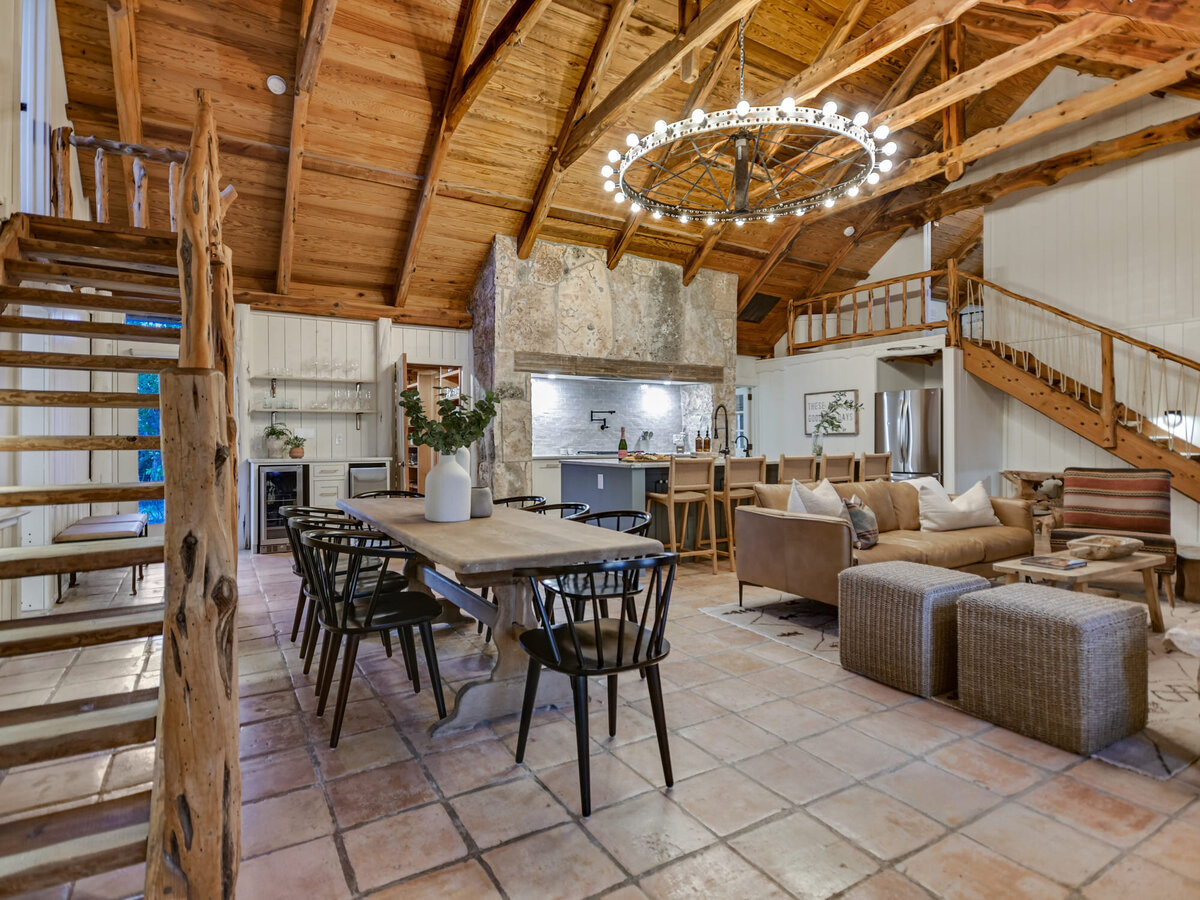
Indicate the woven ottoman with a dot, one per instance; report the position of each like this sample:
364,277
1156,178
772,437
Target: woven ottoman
897,623
1065,667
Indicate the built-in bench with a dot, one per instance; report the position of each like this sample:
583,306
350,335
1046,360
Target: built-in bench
105,528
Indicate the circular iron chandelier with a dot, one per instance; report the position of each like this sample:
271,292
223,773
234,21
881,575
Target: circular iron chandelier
749,162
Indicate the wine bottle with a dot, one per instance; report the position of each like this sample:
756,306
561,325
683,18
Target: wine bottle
623,446
707,441
699,442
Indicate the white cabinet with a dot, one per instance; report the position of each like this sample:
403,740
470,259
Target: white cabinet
547,479
327,491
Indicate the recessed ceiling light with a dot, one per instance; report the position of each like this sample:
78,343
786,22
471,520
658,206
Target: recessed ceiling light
849,231
276,84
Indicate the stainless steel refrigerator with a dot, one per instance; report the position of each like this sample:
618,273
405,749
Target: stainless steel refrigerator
908,424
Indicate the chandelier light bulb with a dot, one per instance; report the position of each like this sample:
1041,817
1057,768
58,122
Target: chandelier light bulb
830,108
635,207
684,219
829,203
881,133
697,116
610,186
739,222
619,198
800,212
710,221
660,127
861,118
631,140
656,214
614,156
770,219
606,171
853,192
889,148
873,178
848,230
788,105
885,166
743,108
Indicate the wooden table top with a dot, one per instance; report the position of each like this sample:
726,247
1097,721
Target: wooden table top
1095,568
508,539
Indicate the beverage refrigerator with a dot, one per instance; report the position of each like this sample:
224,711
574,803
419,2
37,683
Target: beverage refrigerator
908,424
278,486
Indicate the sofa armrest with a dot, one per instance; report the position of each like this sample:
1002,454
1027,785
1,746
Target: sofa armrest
1014,512
794,553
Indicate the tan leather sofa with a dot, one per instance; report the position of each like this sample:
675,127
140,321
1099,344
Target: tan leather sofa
803,554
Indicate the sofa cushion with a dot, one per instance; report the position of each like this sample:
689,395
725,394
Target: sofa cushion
1004,542
822,500
876,495
1134,500
972,509
906,502
772,496
862,519
947,549
887,551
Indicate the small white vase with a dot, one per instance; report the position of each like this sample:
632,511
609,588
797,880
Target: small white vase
447,491
274,447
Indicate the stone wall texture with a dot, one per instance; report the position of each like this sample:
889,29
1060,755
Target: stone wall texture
564,299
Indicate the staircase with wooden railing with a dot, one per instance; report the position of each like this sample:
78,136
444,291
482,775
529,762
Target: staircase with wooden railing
110,271
1138,401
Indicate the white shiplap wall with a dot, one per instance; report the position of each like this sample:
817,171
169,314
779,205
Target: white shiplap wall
1116,246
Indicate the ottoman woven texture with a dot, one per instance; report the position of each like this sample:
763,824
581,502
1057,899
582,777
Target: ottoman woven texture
1064,667
897,623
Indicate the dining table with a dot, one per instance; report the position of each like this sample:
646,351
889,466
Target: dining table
454,560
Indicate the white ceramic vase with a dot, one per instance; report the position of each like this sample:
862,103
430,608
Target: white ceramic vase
274,447
448,490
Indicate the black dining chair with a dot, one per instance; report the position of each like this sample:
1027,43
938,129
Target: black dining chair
520,502
353,603
374,495
599,645
560,510
628,521
288,513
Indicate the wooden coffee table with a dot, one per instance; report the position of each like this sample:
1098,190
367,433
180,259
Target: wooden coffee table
1095,570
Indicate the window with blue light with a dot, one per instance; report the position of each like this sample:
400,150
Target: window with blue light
150,467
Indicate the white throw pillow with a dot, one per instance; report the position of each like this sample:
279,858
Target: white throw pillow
823,501
970,510
928,481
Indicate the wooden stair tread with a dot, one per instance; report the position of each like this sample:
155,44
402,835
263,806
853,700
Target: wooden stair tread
64,631
55,848
151,261
71,728
38,222
92,399
101,330
10,443
49,495
79,556
153,306
29,359
88,276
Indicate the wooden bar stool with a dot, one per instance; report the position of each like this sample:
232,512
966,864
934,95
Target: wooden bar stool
690,481
876,467
797,468
740,477
838,469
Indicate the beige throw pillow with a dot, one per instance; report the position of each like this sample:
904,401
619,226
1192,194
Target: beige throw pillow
822,501
970,510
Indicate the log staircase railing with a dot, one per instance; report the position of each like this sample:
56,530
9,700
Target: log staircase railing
879,309
134,158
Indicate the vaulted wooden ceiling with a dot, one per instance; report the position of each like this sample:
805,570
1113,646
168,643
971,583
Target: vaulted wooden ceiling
346,162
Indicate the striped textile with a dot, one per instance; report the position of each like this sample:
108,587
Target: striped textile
1123,500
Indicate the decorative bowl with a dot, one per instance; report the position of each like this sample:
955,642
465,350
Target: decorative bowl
1104,546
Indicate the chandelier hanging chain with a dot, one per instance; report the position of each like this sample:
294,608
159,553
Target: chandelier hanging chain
741,59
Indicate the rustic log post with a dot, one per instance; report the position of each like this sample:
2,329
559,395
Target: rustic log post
194,841
953,306
61,201
139,212
102,213
176,174
1108,391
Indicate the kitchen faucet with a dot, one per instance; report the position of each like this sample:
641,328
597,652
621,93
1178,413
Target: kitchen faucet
742,437
724,412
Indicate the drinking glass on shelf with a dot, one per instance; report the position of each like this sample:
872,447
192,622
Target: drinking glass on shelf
365,398
339,398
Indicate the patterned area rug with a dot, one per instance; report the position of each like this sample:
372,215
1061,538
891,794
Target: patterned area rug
1169,743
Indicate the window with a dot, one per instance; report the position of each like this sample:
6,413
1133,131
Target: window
150,467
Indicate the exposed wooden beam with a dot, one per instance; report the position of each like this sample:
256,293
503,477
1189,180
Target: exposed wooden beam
697,97
122,41
688,10
695,262
517,22
585,96
1183,14
314,29
1040,174
954,120
845,23
345,309
653,71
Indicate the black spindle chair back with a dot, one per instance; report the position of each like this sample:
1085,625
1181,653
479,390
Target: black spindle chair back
520,502
375,495
630,521
571,510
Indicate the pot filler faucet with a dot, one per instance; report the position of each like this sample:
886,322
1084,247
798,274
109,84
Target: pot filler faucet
725,413
599,415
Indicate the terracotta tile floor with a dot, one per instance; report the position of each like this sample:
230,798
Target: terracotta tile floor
793,778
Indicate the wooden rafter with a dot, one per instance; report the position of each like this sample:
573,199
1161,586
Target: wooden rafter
954,120
697,97
517,22
688,10
585,96
1045,173
653,71
840,33
314,29
122,40
1183,14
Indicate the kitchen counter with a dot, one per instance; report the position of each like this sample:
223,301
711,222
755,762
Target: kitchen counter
314,460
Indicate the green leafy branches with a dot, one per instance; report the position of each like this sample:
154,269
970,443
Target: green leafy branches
830,419
459,424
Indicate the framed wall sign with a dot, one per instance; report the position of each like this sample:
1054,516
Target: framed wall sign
815,404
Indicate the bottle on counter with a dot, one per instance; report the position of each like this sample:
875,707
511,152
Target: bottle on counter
623,445
707,441
699,442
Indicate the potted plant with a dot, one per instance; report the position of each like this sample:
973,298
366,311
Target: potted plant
459,424
295,445
830,419
275,438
